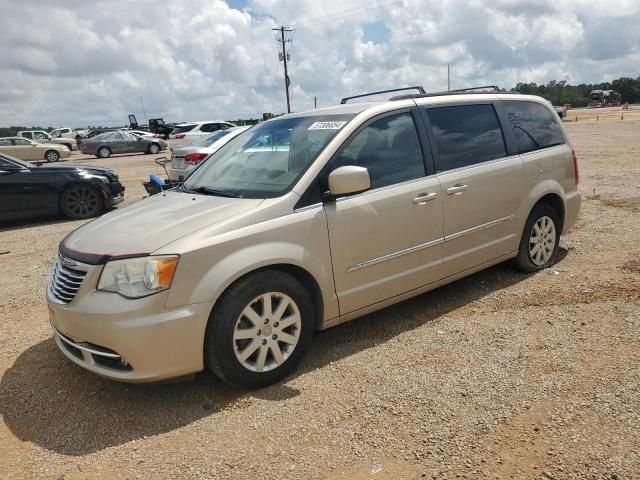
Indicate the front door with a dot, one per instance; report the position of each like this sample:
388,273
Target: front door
27,150
482,186
388,240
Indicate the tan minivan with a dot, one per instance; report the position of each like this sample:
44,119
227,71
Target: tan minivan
307,221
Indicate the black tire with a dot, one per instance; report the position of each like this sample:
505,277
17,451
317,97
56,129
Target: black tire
154,149
103,152
525,261
220,345
51,156
81,201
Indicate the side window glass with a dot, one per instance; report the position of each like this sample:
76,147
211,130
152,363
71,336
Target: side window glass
389,148
209,127
26,134
534,126
466,135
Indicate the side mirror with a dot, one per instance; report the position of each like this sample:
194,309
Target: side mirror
349,179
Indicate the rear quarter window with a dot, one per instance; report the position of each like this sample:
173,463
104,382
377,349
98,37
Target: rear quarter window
534,126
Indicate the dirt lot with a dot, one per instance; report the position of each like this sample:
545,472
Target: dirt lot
499,375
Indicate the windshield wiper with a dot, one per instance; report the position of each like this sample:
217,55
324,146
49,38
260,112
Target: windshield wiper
209,191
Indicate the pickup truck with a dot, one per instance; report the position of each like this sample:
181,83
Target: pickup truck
40,136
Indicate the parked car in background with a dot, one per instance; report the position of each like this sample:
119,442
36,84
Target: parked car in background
561,110
310,220
187,133
185,159
106,144
140,133
76,191
40,136
29,150
64,133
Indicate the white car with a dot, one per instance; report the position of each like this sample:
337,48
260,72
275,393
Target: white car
185,159
64,133
139,133
187,133
40,136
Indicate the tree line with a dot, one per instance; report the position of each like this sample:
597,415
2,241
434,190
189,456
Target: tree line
559,93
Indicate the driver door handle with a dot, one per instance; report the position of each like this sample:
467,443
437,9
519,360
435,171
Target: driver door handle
457,189
423,198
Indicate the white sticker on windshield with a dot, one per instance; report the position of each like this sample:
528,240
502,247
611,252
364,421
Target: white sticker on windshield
326,126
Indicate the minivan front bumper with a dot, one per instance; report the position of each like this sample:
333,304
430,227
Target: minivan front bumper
131,340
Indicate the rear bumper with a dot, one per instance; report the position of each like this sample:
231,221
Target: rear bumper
572,204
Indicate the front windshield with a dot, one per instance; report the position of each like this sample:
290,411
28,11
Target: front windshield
266,161
207,141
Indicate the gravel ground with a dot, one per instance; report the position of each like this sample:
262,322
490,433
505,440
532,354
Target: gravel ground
499,375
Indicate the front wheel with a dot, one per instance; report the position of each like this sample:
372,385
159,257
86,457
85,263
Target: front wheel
154,148
52,156
259,330
540,240
81,201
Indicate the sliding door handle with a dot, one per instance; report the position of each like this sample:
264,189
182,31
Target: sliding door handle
425,197
457,189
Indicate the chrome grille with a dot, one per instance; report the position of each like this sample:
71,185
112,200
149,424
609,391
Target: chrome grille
65,281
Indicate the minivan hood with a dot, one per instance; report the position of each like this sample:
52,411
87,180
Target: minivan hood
147,225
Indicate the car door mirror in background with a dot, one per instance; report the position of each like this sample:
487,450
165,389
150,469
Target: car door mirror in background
349,179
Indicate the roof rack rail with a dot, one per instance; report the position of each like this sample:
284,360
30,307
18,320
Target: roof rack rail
471,89
418,87
481,90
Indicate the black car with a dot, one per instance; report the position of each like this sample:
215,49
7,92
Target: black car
76,191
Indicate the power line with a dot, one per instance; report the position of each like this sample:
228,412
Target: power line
284,58
343,13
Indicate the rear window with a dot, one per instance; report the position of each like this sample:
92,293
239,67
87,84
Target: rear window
182,129
466,135
534,126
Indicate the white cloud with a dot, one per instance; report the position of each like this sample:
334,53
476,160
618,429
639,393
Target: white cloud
73,62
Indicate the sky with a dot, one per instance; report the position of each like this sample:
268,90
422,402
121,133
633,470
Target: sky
77,63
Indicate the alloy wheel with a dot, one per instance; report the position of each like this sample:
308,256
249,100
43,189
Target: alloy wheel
267,332
82,202
542,240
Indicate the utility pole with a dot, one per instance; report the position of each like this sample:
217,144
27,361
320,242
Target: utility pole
283,58
448,78
143,110
315,102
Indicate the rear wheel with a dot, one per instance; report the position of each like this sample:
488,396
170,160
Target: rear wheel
104,152
154,148
81,201
259,330
51,156
540,240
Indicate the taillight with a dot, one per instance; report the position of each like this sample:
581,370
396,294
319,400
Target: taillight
576,173
195,158
179,136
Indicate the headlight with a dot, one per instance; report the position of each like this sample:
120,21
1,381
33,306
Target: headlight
138,277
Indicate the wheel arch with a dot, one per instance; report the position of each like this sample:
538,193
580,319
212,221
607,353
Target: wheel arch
305,278
554,201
